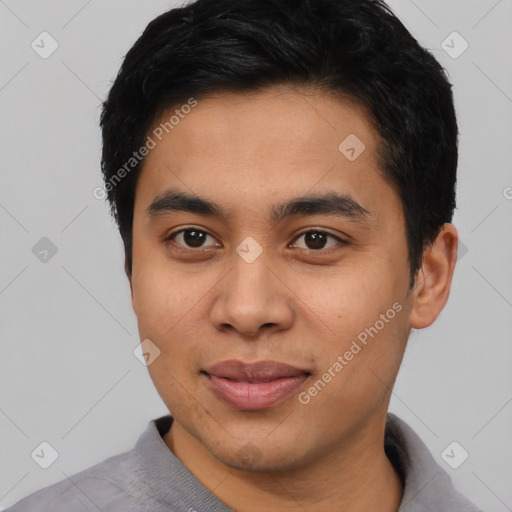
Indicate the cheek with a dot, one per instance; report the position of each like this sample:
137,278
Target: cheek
365,314
358,370
171,309
157,304
347,300
158,288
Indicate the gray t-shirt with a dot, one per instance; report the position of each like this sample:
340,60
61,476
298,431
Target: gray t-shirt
150,478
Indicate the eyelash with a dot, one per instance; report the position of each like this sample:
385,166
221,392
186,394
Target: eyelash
341,242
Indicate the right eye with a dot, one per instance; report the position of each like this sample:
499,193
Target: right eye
190,238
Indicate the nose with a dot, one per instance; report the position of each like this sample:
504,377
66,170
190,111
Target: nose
252,300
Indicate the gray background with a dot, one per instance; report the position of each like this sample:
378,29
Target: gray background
68,375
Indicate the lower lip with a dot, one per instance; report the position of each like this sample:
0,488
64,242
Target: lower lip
252,396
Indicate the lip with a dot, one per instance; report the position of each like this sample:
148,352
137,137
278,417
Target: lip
253,386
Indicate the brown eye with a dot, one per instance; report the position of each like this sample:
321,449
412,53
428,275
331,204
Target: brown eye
317,240
190,238
194,238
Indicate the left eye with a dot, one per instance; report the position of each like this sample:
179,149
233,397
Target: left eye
190,238
316,240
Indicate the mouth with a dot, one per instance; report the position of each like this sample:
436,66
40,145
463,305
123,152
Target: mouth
254,386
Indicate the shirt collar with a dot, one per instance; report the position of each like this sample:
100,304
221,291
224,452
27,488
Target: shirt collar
427,486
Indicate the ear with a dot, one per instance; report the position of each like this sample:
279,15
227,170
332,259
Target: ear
129,276
433,282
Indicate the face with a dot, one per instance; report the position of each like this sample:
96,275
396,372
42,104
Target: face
257,238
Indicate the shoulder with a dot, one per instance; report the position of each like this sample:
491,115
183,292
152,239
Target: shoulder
110,485
427,486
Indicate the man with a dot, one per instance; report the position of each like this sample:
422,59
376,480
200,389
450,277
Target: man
283,177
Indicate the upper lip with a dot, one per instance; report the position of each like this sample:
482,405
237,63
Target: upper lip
258,371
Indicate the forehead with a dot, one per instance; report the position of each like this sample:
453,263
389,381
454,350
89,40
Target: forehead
266,146
293,121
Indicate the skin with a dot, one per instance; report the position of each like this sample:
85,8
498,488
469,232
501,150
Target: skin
295,304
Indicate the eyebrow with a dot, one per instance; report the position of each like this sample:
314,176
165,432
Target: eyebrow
331,203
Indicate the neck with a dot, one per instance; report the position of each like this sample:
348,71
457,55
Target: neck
356,477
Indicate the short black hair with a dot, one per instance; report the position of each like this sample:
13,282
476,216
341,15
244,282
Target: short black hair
355,48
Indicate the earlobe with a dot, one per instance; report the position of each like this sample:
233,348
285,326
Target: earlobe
432,287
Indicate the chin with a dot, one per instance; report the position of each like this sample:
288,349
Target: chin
259,456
